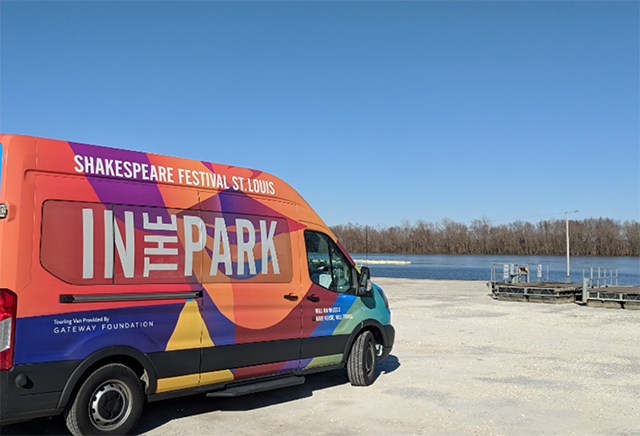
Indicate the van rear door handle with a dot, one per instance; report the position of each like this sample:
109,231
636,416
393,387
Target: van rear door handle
291,297
313,298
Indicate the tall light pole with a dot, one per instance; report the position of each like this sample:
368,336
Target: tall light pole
366,241
566,214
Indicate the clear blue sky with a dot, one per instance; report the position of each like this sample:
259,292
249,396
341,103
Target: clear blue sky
374,111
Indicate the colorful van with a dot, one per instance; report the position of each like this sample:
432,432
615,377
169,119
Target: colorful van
128,277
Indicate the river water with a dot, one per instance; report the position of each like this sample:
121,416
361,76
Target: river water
478,267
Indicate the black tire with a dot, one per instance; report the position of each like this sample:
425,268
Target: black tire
109,402
361,365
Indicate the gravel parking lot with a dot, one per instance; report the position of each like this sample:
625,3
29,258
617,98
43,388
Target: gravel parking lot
463,364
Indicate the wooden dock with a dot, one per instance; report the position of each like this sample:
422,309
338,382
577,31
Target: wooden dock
541,292
613,297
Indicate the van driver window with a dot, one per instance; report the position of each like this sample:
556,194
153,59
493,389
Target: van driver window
327,265
340,270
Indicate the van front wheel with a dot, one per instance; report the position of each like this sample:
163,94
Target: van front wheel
361,365
109,402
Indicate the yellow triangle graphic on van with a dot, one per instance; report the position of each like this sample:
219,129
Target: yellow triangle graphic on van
190,329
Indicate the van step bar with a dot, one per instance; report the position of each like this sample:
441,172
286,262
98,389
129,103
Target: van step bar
252,388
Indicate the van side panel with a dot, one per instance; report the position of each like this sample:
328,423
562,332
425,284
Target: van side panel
112,224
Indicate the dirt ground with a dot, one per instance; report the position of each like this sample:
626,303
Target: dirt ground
463,364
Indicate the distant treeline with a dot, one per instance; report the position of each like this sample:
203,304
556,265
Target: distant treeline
588,237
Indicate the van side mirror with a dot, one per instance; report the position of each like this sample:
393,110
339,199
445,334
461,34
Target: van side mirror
364,282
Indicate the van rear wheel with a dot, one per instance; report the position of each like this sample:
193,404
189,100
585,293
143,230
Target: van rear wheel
109,402
361,365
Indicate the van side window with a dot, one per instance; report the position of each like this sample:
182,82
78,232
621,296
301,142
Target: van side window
341,270
327,265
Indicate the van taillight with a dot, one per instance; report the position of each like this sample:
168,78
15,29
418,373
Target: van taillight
7,327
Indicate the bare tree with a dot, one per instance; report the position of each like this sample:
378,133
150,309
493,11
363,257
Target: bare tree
591,236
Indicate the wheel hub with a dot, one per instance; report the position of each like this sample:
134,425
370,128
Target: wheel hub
369,360
110,405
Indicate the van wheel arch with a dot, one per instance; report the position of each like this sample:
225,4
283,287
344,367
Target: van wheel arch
369,325
130,357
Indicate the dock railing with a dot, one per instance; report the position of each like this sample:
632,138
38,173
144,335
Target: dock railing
517,273
600,276
596,280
